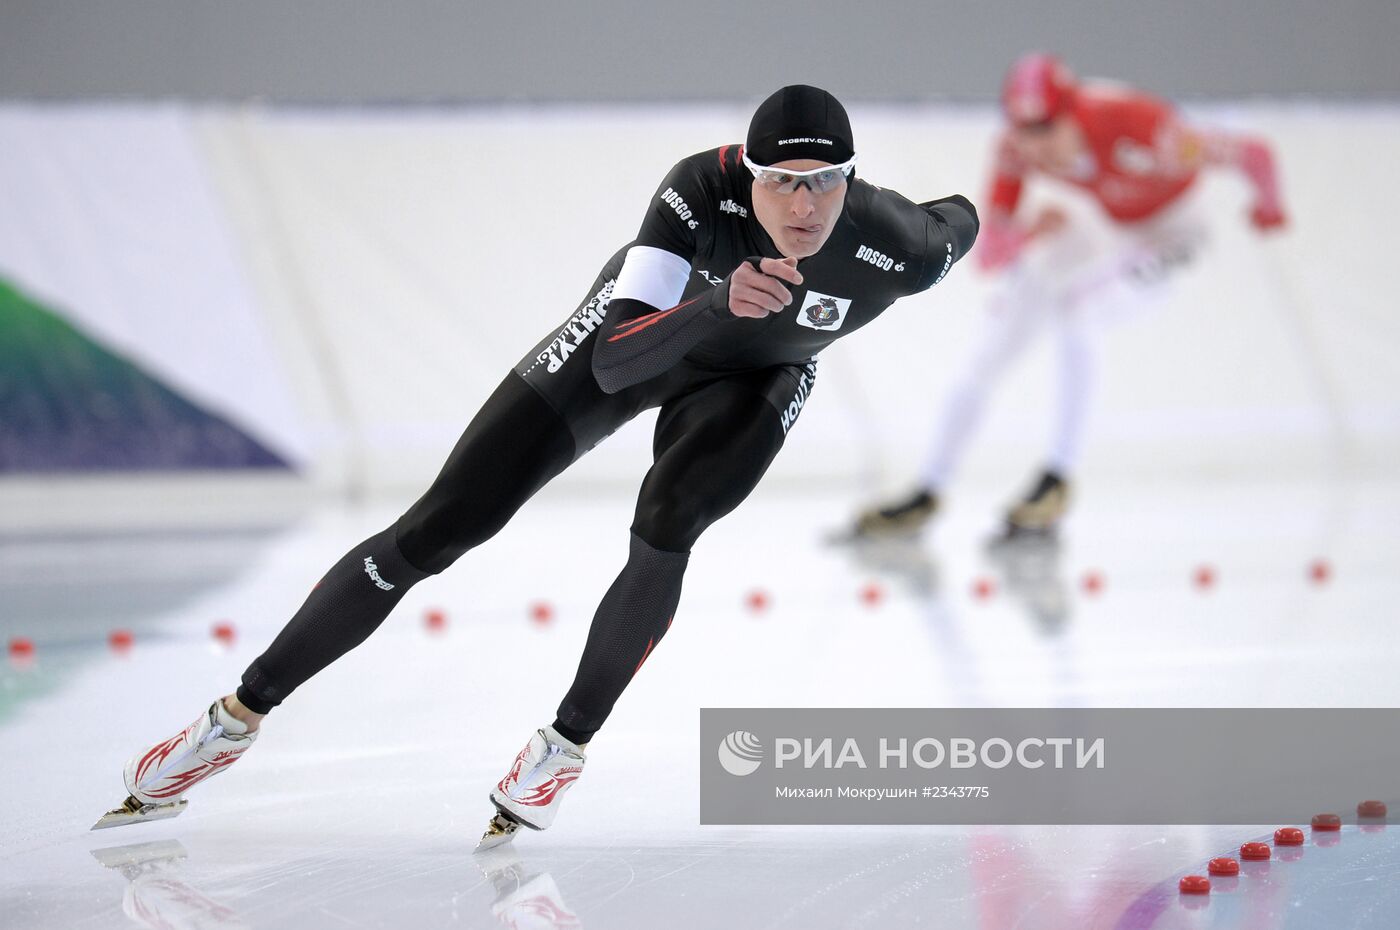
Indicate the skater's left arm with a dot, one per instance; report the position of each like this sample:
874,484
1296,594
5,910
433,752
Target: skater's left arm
951,230
1192,147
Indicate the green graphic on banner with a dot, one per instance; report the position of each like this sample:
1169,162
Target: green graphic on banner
71,405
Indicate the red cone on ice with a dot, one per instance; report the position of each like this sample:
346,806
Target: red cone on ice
1371,810
1255,851
1194,884
1223,865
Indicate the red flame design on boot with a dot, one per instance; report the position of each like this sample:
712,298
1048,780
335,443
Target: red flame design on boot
171,767
541,773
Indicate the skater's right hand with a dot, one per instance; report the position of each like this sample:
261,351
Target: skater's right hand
757,292
1267,217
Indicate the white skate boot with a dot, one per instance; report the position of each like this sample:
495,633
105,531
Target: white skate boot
158,777
530,793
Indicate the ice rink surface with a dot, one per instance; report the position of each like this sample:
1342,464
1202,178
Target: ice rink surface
361,803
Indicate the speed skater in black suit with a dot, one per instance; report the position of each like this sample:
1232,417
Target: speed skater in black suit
750,260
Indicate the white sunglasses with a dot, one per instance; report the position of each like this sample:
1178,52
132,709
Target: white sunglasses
783,181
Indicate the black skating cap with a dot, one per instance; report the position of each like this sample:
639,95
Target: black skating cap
800,122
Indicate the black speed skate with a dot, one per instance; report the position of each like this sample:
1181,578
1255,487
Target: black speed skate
898,519
1036,517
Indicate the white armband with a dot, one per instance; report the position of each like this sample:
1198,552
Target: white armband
653,276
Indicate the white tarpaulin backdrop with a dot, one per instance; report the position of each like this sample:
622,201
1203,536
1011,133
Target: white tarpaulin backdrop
348,285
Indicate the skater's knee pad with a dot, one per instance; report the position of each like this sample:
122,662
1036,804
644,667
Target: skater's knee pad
431,536
670,521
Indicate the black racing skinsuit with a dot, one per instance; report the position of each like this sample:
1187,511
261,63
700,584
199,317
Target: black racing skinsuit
728,388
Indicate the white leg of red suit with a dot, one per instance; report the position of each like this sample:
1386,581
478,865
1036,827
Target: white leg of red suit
1073,285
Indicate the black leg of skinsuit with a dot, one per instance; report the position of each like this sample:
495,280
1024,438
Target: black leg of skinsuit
711,447
511,449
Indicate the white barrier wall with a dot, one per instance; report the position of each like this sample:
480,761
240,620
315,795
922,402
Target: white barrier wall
401,261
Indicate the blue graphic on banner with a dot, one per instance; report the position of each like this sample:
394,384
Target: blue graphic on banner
68,404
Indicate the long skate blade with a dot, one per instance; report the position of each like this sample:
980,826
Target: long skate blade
499,831
133,811
841,536
1016,537
855,538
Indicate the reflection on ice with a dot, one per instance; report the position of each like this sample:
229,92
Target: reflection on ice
1032,574
156,893
525,899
